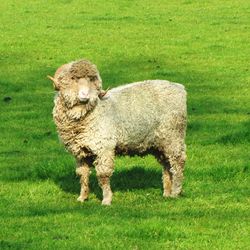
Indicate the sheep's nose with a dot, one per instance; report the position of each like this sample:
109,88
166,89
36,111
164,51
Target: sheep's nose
83,96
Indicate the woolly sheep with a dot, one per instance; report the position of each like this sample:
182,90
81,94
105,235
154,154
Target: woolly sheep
137,118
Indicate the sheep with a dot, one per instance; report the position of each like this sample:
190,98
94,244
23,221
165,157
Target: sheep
147,117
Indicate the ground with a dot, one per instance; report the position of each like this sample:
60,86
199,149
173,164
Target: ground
204,45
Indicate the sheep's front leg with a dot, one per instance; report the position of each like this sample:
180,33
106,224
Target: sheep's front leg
104,183
83,170
104,169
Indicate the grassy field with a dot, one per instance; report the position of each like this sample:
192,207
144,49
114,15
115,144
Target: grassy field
202,44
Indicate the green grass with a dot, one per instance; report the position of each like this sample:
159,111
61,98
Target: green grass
204,45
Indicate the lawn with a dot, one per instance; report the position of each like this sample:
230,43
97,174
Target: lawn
202,44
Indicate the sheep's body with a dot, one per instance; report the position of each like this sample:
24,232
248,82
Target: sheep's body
137,118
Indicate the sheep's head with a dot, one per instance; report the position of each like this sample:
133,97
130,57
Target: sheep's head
78,84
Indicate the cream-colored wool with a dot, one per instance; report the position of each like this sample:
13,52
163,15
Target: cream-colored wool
138,118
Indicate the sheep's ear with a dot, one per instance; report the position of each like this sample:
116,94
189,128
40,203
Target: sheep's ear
103,93
55,84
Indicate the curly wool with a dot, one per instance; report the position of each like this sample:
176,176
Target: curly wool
133,118
138,118
82,69
77,69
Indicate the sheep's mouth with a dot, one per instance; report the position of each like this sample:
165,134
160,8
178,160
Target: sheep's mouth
84,100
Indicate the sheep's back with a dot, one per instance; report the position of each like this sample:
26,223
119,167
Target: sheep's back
142,108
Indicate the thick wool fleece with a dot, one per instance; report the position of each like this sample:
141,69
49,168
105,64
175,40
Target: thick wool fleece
137,118
82,69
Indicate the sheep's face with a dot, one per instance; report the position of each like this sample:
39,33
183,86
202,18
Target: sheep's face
79,84
80,91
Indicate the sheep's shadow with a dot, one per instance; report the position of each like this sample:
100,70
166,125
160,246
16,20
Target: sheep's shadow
122,180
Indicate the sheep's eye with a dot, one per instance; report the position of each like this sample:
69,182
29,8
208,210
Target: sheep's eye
92,78
75,78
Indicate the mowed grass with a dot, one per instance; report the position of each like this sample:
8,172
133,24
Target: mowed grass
204,45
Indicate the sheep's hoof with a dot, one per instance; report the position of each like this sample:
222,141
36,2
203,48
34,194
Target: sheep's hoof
166,194
81,199
175,195
171,195
106,202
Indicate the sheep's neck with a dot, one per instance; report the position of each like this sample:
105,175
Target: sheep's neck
69,128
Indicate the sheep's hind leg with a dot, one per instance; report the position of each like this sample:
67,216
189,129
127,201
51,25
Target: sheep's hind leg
104,170
166,179
172,172
166,174
176,168
83,171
